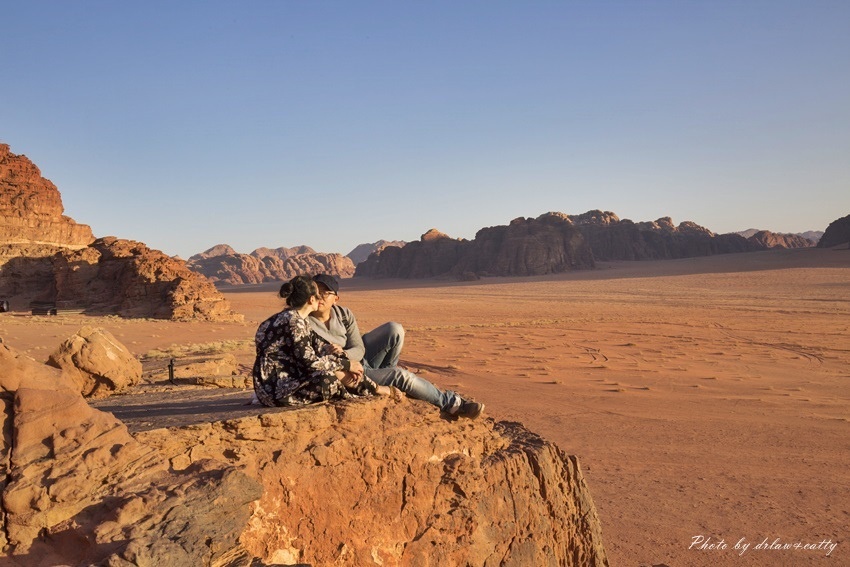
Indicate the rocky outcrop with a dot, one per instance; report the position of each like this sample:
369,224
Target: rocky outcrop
226,250
97,363
836,234
372,482
526,247
283,252
217,250
368,481
269,265
116,276
768,240
363,251
78,489
811,235
31,211
615,239
48,257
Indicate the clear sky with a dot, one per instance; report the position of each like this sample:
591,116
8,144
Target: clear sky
189,124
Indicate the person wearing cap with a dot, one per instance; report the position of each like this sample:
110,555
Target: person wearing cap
294,366
376,354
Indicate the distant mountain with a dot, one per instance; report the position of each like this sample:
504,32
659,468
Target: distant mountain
813,235
222,264
836,234
217,250
525,247
613,239
556,242
783,239
769,239
283,253
363,251
226,250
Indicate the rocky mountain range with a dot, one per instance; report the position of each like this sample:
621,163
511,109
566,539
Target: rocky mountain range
223,265
548,244
783,239
556,242
47,257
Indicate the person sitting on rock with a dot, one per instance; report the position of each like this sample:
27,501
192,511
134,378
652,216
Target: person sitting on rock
375,355
295,366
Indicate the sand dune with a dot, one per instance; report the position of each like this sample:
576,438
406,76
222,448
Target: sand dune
704,397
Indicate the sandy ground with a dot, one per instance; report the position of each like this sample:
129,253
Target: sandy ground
704,397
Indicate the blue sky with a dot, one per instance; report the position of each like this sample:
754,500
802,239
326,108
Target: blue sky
189,124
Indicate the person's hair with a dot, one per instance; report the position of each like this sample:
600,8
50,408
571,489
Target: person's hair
298,290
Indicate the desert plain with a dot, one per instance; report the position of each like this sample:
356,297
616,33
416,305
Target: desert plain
708,399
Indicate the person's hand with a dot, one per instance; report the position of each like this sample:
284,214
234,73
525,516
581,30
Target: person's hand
356,368
391,391
336,349
351,380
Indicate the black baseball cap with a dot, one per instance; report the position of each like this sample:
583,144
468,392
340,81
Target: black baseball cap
328,281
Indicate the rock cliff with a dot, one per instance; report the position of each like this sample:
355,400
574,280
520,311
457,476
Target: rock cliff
837,233
113,276
78,489
48,257
365,482
547,244
31,210
615,239
556,242
267,265
374,482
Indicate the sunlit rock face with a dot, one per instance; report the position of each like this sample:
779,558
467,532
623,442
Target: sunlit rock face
31,210
78,489
223,265
374,482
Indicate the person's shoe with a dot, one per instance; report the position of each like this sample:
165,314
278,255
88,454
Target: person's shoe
470,410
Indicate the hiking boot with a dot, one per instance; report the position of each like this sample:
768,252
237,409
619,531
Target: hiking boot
470,410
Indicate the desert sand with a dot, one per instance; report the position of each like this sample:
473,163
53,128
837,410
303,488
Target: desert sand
705,397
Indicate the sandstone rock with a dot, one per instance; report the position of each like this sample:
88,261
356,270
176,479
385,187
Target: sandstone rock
615,239
283,252
31,210
768,240
129,279
374,482
98,364
236,269
48,257
363,251
836,234
360,482
545,245
77,488
217,250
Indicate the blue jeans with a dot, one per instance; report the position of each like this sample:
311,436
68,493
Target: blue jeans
415,387
383,349
383,345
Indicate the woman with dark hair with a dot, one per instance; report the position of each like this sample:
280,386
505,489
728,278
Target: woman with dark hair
294,366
